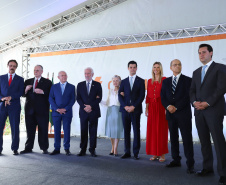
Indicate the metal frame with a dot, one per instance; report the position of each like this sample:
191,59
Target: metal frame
63,21
130,39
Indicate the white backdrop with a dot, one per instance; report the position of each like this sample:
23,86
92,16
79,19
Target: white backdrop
111,62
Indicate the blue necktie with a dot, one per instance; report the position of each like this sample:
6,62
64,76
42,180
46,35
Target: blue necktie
203,72
131,82
62,88
88,88
174,85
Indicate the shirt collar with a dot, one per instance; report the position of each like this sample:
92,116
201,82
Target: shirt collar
65,83
134,76
208,64
178,76
11,74
90,82
38,79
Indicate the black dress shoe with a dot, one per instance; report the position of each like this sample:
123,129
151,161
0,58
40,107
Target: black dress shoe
93,154
204,172
55,152
67,151
173,164
222,180
15,152
125,155
45,152
116,155
190,170
25,151
111,153
136,157
81,153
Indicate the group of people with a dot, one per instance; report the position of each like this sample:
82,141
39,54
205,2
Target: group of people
168,106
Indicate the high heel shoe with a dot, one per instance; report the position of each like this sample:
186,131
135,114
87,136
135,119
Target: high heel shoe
153,158
111,153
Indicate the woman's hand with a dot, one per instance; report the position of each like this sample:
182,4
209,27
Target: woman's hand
122,93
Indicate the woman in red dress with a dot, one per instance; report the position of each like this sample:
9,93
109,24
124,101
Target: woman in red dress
157,125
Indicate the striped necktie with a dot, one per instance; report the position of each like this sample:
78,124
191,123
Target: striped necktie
174,85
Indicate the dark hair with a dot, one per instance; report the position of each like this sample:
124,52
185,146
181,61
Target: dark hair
12,60
209,47
132,62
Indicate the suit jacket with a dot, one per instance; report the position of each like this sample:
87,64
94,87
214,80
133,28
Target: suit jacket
211,90
15,90
91,99
37,103
59,101
180,99
133,97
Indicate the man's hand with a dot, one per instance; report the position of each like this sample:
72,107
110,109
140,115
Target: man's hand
38,91
28,87
129,108
122,93
88,108
61,111
7,100
200,105
171,109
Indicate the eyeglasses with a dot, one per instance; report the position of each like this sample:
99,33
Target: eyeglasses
174,65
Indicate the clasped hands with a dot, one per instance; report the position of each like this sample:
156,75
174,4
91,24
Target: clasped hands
37,90
7,100
200,105
171,109
61,111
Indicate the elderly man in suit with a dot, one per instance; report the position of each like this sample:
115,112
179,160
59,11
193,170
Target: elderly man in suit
37,110
89,95
62,97
175,98
207,96
131,95
11,89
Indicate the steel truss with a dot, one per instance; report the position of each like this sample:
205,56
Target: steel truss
73,17
136,38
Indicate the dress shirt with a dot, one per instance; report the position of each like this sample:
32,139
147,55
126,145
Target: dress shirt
35,81
208,65
65,83
112,98
178,76
134,77
12,76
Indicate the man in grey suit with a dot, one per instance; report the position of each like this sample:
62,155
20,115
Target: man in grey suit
207,96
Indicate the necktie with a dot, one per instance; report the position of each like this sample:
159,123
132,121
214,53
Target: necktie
10,79
174,85
62,88
36,83
88,88
131,82
203,72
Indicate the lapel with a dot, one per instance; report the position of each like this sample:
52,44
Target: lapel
66,88
85,88
179,83
170,84
59,88
40,82
13,81
134,83
208,72
5,77
91,87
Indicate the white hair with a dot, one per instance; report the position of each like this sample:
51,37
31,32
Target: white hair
91,69
61,72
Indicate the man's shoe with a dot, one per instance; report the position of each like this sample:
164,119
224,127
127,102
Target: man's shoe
81,153
173,164
136,157
45,152
67,151
204,172
15,152
93,154
55,152
111,153
190,170
125,155
222,180
25,151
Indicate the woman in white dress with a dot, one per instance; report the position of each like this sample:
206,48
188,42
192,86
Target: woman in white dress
113,124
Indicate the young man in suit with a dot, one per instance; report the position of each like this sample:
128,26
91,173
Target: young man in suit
37,110
131,95
62,97
11,89
175,99
207,96
89,95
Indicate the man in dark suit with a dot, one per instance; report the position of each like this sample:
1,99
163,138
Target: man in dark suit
89,95
62,97
131,95
11,89
37,110
207,96
175,99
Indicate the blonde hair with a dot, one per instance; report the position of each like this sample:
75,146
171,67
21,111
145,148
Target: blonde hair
161,72
116,76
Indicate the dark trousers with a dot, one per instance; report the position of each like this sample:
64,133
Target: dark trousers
206,125
185,126
127,119
57,131
88,124
14,118
32,121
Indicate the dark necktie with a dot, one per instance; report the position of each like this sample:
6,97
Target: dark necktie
36,83
174,85
10,79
